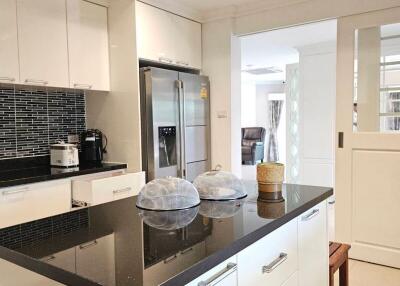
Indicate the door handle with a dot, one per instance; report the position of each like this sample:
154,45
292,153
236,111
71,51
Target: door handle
230,267
278,261
312,214
36,81
82,85
124,190
87,245
340,139
6,78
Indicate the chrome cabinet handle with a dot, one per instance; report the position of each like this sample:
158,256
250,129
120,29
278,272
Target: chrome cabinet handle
37,81
48,258
6,78
122,190
165,60
270,267
89,244
13,192
230,267
187,250
83,85
312,214
169,259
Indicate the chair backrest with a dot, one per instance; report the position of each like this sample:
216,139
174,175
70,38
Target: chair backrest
253,134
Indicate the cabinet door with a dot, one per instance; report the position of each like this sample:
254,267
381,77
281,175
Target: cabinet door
177,40
31,202
188,42
154,33
272,259
88,45
9,68
101,252
42,34
313,247
292,281
64,259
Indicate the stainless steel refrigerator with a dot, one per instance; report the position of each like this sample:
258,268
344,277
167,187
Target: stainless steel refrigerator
175,108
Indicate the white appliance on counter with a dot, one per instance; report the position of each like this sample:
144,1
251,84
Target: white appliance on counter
64,155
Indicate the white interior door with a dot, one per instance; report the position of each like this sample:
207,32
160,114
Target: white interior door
368,153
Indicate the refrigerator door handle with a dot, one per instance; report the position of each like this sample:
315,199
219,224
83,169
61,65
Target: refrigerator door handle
181,104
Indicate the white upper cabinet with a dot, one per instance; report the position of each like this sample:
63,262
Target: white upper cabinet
166,37
9,69
42,34
88,45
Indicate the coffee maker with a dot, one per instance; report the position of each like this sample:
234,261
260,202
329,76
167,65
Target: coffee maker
92,146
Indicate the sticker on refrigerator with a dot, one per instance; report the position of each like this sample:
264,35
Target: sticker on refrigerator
203,93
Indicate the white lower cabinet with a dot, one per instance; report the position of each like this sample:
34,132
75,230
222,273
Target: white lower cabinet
271,260
293,280
34,201
95,260
295,254
102,188
64,259
313,246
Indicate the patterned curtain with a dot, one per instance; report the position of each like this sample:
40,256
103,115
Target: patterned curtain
274,114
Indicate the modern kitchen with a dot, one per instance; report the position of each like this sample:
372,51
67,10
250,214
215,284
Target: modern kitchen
123,160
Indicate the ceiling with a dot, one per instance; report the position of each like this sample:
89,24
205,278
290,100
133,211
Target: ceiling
280,47
207,5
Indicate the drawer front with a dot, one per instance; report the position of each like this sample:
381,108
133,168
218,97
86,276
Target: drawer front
224,273
98,190
313,247
35,201
293,280
64,259
272,259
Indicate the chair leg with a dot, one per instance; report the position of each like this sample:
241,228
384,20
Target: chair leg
331,278
344,273
262,160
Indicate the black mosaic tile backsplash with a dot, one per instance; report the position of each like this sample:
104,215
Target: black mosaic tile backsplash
32,120
29,233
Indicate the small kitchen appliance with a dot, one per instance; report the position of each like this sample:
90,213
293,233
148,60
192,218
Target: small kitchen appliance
64,155
92,146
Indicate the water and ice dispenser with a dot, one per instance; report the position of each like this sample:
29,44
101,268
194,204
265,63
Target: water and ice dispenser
167,146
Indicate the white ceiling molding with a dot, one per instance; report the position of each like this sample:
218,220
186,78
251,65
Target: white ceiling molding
176,8
246,9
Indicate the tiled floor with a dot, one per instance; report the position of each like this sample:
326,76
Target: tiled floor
368,274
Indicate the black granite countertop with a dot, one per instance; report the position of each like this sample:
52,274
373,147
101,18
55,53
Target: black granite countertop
128,246
14,173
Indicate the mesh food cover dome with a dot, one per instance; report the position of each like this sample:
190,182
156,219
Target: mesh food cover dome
170,220
166,194
220,209
219,186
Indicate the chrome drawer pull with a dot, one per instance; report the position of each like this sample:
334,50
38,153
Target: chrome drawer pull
82,85
187,250
89,244
312,214
169,259
124,190
48,258
6,78
270,267
13,192
231,267
36,81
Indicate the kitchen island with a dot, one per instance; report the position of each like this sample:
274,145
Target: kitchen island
243,242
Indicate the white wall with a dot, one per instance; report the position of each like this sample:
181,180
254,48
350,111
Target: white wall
117,112
221,62
249,104
317,95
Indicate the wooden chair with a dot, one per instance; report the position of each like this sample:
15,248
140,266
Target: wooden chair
339,259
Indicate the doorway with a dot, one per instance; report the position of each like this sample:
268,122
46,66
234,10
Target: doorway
294,68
